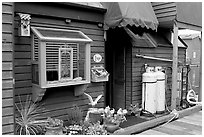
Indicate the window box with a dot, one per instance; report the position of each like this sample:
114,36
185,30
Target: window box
59,58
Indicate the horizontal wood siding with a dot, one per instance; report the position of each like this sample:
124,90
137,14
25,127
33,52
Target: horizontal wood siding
56,101
138,69
7,68
165,12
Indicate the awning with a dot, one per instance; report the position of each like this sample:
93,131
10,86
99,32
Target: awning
151,40
121,14
189,15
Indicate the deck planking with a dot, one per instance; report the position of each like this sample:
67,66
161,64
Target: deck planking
189,125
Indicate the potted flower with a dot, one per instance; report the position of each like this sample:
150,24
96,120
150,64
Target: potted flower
54,126
113,119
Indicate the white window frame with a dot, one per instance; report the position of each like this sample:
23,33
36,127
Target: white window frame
41,37
42,57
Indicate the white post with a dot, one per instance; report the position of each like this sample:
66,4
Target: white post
174,67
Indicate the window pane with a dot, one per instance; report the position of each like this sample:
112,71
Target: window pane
65,64
52,61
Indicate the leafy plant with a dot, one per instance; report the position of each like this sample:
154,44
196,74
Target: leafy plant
74,130
54,122
74,115
28,118
110,116
96,129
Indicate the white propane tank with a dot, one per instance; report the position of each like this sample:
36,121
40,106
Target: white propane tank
160,90
149,90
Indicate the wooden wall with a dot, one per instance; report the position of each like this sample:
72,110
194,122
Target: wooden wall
56,101
165,12
134,67
138,68
7,68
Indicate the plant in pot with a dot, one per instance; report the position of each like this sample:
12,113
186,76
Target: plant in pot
112,119
95,129
74,116
74,121
74,129
134,110
28,118
54,126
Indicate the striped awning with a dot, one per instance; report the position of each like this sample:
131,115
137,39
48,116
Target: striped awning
121,14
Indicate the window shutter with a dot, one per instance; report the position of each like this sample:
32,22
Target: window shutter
52,54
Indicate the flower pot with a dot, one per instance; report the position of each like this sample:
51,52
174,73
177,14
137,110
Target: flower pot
111,127
95,117
54,130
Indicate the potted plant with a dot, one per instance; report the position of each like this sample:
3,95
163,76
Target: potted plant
54,126
113,119
74,116
28,118
134,110
95,129
74,129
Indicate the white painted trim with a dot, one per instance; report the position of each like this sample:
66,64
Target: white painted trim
42,63
61,84
41,37
88,62
43,83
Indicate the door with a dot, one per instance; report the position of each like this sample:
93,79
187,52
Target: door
115,64
118,93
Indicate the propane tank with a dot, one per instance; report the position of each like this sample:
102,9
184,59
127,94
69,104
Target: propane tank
160,90
149,90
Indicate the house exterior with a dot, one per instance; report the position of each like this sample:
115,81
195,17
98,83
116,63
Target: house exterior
77,30
125,85
7,68
17,56
193,58
175,16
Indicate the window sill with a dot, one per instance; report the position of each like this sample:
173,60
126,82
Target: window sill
61,84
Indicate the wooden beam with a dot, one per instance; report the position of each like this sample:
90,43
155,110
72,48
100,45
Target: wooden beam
200,72
134,129
174,67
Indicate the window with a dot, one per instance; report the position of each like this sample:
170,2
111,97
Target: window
60,57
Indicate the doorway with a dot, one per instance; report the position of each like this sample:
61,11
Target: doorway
115,53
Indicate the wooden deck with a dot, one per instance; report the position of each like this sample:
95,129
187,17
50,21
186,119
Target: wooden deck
188,125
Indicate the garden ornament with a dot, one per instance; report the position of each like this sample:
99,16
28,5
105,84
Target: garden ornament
93,103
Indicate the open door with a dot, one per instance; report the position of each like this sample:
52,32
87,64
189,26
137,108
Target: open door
115,54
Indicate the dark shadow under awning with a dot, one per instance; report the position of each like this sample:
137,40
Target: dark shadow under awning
121,14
